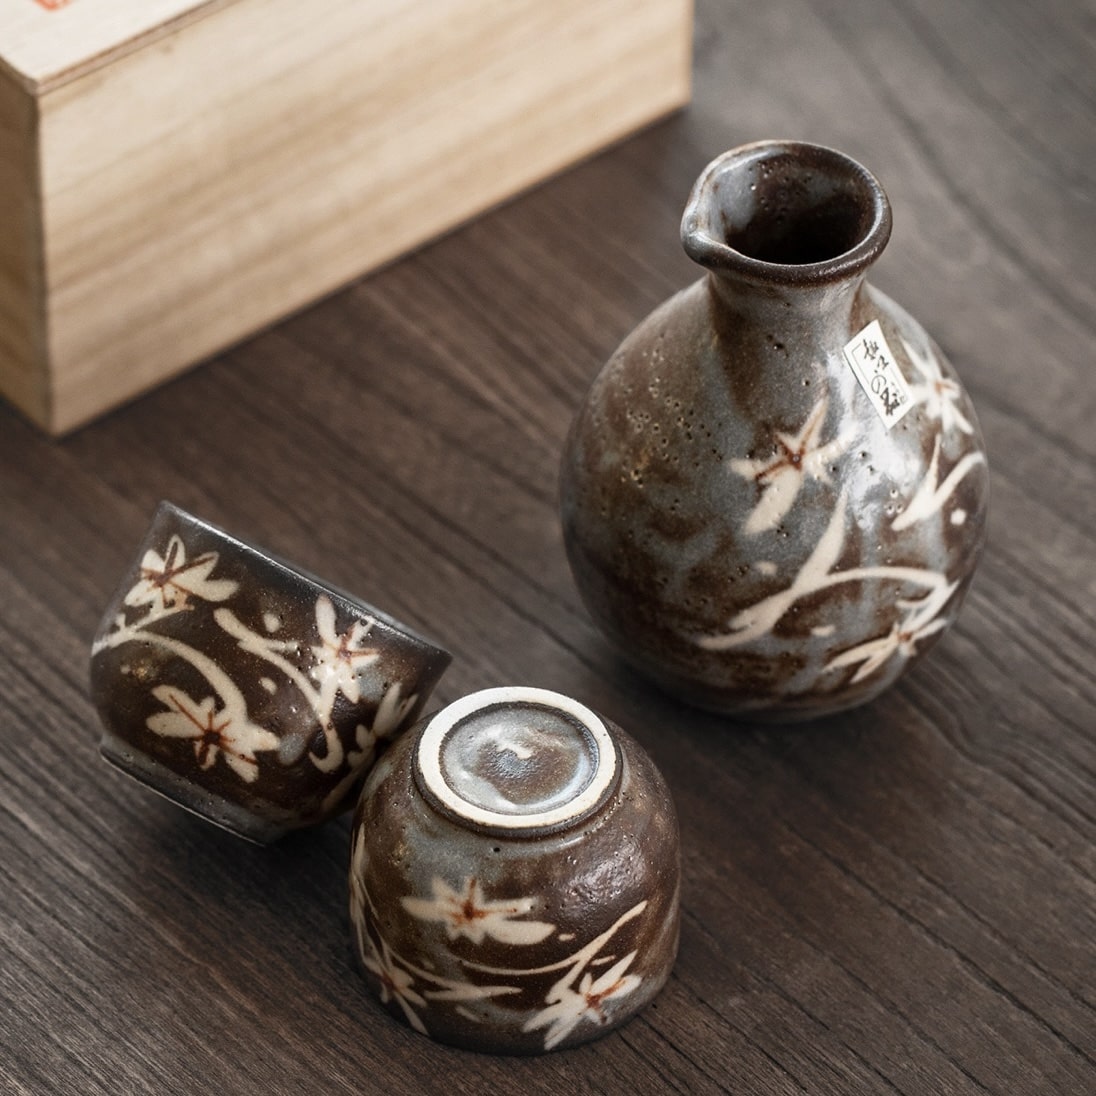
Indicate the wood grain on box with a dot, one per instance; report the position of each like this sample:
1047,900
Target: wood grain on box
21,314
204,176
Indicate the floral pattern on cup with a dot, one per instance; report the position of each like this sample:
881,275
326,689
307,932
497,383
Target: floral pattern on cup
579,996
245,690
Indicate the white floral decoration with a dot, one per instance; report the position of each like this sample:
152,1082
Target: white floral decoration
397,976
576,997
340,656
468,913
391,713
932,492
819,573
939,394
567,1007
338,660
169,584
922,620
225,732
170,581
781,476
396,982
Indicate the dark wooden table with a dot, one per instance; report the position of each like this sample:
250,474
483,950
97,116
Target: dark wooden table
899,900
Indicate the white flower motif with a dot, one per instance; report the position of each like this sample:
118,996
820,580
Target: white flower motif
568,1008
782,475
358,861
818,573
396,983
938,393
365,749
171,580
227,732
468,913
932,493
392,711
921,621
339,656
757,619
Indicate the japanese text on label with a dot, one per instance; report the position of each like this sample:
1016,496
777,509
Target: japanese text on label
870,358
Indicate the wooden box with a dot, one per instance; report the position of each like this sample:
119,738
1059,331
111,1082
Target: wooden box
175,174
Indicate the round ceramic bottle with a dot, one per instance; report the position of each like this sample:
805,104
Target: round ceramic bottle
774,495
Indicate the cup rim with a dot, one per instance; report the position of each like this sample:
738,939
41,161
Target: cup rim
353,603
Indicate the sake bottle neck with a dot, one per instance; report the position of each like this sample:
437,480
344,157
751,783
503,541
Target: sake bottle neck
782,310
787,231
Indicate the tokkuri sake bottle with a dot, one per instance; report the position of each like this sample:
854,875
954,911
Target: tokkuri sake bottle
774,494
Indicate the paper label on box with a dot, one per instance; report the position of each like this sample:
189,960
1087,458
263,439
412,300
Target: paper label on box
870,358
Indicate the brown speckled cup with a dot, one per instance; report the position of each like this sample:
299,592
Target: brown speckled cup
245,690
515,874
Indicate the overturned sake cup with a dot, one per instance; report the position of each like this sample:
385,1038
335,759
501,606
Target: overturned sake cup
514,879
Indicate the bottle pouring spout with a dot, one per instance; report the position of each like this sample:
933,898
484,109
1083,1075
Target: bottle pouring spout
786,214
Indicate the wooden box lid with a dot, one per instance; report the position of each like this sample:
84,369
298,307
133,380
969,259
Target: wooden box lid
47,42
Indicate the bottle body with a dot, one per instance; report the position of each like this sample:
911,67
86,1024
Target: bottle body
746,520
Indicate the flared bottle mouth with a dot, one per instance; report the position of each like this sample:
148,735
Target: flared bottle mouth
786,213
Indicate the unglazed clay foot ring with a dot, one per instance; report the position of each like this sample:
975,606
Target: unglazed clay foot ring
245,690
484,769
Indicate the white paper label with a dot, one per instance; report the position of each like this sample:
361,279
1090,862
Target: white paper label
870,358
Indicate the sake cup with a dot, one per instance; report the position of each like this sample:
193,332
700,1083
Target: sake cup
245,690
514,874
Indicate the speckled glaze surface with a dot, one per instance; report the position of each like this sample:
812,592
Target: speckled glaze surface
245,690
514,877
755,527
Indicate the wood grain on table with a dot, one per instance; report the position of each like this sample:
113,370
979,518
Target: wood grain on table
899,900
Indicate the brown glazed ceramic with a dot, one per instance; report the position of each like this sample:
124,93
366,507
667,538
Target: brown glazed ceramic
514,874
774,496
244,690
